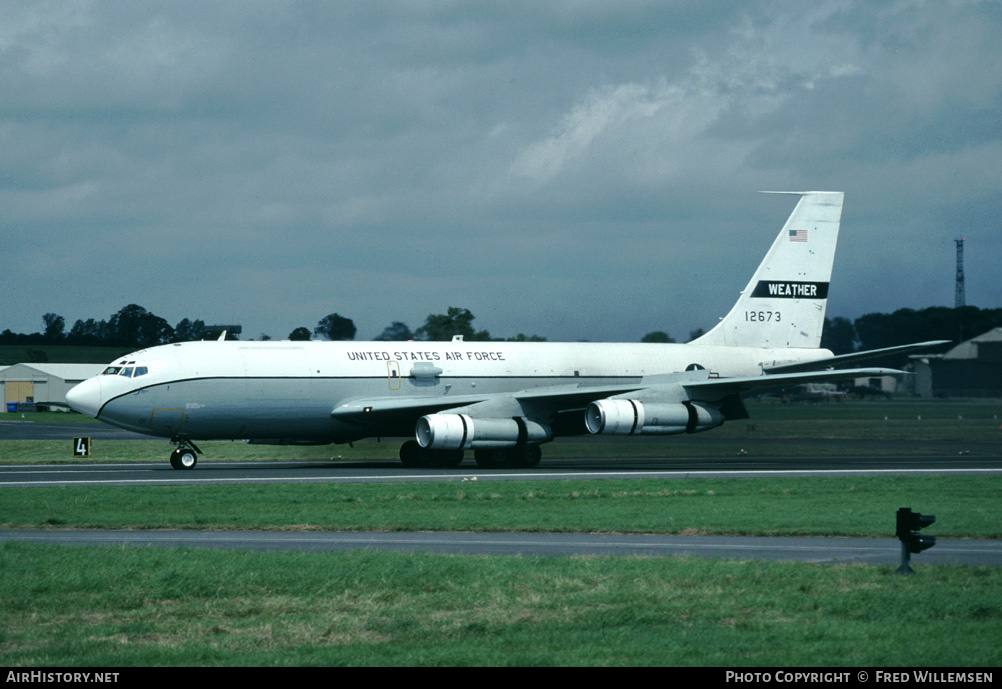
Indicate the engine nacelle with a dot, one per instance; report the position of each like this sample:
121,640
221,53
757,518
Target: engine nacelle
632,417
462,432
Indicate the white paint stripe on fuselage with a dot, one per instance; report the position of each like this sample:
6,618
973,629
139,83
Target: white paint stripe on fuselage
323,359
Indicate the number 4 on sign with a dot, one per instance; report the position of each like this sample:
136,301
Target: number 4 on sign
81,447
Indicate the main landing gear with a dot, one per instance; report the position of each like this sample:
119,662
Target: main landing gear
518,457
185,456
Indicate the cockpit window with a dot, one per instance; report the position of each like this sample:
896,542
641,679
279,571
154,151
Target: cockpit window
126,371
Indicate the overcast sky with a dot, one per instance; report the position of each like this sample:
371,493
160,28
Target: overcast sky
580,170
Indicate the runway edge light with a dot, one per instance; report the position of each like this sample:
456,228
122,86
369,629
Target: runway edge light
909,524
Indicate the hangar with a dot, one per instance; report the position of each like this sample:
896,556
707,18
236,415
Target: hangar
971,369
36,383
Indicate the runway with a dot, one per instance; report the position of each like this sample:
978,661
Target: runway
828,458
16,429
208,472
874,551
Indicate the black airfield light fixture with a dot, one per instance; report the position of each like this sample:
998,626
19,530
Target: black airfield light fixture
908,527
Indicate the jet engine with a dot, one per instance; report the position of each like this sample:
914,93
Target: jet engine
632,417
462,431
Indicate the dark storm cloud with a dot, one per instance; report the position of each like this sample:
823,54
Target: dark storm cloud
580,170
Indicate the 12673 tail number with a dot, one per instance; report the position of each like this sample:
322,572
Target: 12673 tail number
763,316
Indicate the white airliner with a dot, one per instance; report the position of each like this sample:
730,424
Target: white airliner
500,399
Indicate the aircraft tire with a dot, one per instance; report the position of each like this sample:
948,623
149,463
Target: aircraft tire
491,459
412,454
183,458
446,459
524,456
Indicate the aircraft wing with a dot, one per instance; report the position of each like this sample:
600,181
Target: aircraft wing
549,404
842,359
538,402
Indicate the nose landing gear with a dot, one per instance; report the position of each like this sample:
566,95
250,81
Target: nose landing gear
185,456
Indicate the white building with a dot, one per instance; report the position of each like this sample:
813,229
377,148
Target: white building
42,382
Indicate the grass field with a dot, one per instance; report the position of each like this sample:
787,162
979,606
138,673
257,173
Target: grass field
966,506
147,607
144,606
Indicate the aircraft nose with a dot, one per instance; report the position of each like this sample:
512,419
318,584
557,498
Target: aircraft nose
86,397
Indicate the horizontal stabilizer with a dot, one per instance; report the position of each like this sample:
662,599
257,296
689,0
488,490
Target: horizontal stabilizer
842,359
717,388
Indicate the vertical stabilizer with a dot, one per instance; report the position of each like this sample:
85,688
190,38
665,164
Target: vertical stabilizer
784,303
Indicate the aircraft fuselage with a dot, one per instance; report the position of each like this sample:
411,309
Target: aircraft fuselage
288,390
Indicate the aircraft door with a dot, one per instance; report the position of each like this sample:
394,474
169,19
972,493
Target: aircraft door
393,374
166,420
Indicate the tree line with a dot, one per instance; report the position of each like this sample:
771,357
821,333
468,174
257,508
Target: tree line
904,326
134,327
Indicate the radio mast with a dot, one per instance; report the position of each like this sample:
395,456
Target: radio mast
960,298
